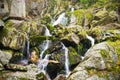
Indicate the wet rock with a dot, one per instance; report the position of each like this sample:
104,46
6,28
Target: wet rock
5,57
17,10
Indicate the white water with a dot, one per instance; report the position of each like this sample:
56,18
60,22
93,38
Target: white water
45,47
47,32
61,20
45,43
28,45
67,70
42,64
91,39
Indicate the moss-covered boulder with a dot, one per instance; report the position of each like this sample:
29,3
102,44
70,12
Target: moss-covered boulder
100,62
104,17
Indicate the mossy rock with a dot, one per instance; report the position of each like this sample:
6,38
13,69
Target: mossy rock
74,57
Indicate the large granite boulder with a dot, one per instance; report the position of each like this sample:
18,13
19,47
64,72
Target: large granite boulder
101,62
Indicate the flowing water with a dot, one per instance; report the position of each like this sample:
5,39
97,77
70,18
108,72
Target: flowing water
45,43
28,45
91,39
61,20
45,47
43,62
67,70
47,32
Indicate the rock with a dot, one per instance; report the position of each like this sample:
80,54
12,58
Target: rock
5,57
100,62
16,67
31,74
70,39
3,9
41,76
100,14
60,77
17,10
1,25
1,67
103,18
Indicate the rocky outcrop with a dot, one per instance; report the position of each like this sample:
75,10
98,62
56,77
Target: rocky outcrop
100,62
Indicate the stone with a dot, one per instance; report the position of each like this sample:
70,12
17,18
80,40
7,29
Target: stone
5,57
99,63
4,10
1,25
18,8
16,67
60,77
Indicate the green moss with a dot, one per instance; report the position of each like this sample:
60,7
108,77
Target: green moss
73,56
104,53
79,14
9,23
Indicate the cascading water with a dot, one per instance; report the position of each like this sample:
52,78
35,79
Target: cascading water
43,62
67,70
28,46
91,39
47,32
92,43
45,43
45,47
61,20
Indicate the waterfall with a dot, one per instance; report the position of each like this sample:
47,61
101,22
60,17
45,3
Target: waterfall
28,45
67,70
45,43
91,39
47,32
61,20
43,64
45,47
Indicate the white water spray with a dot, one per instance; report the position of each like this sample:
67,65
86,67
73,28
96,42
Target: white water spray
67,70
61,20
91,39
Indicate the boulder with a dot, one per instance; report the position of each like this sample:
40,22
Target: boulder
5,57
4,9
17,10
100,62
